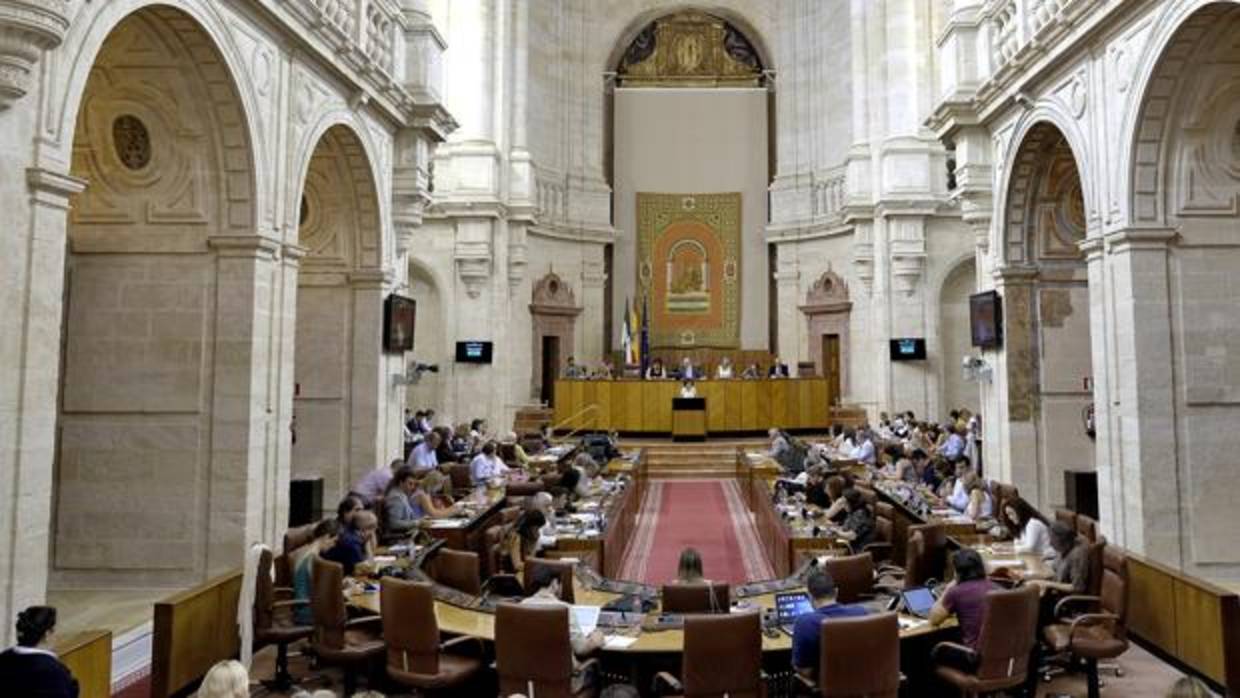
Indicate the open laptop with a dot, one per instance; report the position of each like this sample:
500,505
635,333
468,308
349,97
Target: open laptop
917,601
788,606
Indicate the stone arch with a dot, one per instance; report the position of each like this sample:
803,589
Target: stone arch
202,25
340,398
1183,158
1042,129
340,143
164,305
736,18
553,312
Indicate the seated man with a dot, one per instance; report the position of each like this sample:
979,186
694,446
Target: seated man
373,484
1070,570
965,598
486,466
545,583
424,456
355,545
859,526
807,630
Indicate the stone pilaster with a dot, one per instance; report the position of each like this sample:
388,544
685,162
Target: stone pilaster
1013,457
28,28
372,391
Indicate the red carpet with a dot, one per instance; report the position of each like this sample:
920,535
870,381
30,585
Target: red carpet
708,515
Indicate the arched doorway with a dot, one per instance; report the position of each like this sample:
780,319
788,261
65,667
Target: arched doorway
339,389
954,339
1047,387
674,142
160,430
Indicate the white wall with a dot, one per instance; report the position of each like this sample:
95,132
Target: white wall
694,141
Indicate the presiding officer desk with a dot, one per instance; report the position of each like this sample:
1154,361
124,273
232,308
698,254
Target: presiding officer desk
635,406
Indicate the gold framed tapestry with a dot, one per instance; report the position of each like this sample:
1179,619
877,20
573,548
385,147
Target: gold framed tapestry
689,267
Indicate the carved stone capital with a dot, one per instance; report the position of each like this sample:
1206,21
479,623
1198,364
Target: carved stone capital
27,29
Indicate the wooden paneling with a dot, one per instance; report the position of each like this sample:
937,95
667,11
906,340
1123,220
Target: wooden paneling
88,656
193,630
1151,604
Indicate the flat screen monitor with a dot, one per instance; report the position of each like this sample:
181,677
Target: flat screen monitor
918,601
473,352
986,319
908,349
399,314
790,605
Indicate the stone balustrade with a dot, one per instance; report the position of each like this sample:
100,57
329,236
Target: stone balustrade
828,194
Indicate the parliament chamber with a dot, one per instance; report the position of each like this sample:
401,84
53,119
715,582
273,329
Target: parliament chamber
625,348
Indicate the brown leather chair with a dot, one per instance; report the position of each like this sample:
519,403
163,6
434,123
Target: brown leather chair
524,489
294,538
1067,517
1101,632
457,569
708,640
1006,640
932,556
533,655
336,639
509,515
872,642
1088,527
273,624
696,598
565,570
853,575
884,528
415,656
458,473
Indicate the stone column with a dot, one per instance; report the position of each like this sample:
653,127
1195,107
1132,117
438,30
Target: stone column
787,288
242,415
32,292
1014,429
369,385
284,360
906,309
593,281
1146,490
1107,454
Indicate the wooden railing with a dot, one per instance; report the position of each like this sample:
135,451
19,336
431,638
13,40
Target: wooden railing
193,630
88,656
591,409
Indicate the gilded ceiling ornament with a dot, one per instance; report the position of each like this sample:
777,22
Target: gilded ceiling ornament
690,48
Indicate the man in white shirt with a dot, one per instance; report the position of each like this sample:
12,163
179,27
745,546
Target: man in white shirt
687,370
953,448
545,581
864,452
426,424
959,498
485,466
423,457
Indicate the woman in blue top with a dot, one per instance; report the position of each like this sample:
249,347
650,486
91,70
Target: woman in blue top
324,539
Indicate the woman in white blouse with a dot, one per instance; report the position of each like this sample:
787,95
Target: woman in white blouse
724,370
1032,537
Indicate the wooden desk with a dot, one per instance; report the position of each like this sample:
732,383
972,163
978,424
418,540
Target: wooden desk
638,406
688,418
471,535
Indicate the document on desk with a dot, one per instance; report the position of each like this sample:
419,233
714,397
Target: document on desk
618,642
449,523
1005,562
586,617
908,623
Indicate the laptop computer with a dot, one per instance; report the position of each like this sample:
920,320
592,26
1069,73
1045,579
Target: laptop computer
788,606
917,601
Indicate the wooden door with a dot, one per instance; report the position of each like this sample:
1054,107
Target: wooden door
550,368
831,365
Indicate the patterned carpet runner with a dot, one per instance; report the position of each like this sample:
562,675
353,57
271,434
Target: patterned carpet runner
709,515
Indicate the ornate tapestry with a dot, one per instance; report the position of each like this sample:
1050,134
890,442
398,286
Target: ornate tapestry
688,266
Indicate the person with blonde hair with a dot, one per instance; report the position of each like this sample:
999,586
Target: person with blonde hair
1189,687
227,679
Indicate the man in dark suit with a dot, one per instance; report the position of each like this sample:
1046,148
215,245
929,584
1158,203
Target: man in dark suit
779,369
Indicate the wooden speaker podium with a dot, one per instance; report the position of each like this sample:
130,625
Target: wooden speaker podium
688,419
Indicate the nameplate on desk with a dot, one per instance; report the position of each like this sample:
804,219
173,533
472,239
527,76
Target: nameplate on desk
1005,562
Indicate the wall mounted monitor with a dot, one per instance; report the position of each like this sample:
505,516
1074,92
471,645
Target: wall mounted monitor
473,352
399,314
986,319
908,349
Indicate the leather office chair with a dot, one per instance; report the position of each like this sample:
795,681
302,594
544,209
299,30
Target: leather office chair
872,642
564,569
533,655
1067,517
524,489
933,563
1102,631
696,598
853,575
457,569
415,656
458,474
509,515
336,639
1006,639
884,528
704,671
274,627
1088,527
294,538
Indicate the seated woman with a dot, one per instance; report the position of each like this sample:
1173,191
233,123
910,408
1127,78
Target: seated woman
964,598
858,528
511,451
724,370
981,505
689,568
656,370
348,507
751,372
406,503
1032,536
688,389
521,540
324,539
31,668
438,487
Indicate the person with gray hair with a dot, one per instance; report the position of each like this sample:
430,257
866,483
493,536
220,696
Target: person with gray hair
544,502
